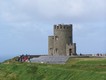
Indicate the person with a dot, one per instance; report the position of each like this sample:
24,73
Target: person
80,54
24,58
29,58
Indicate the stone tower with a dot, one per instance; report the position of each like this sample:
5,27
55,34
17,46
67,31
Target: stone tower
62,41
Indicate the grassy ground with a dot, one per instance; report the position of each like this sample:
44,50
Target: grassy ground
74,69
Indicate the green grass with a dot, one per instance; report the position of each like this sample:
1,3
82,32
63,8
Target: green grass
74,69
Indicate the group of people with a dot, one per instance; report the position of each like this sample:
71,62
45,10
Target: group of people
24,58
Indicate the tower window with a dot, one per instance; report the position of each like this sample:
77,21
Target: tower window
51,48
56,37
56,50
64,27
60,27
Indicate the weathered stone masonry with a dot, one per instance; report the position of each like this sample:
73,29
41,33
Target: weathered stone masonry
62,41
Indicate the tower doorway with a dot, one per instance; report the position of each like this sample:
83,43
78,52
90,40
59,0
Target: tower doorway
70,52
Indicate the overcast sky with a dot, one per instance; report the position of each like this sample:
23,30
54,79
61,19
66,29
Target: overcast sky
26,24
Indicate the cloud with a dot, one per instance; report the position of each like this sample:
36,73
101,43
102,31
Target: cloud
26,14
52,10
41,15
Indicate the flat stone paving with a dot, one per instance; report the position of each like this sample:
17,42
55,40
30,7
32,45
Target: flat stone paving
51,59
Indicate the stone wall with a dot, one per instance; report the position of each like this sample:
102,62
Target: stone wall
62,37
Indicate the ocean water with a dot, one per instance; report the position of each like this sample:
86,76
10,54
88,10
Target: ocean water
3,59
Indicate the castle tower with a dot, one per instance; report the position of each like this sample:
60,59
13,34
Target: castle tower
62,41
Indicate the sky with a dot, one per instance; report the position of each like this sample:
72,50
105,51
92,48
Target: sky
26,24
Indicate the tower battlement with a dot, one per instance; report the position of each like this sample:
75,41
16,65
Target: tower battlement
63,26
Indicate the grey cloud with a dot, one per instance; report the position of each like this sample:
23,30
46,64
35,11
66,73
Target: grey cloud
52,10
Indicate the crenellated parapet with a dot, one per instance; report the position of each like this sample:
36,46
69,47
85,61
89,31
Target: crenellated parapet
63,26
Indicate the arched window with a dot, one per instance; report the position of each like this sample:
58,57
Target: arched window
56,37
57,27
70,52
56,50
